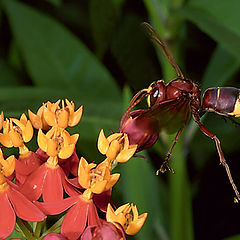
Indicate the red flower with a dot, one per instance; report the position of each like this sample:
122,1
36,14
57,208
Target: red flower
25,165
104,231
15,203
81,211
47,181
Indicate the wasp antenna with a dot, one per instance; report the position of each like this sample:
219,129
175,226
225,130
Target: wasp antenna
153,35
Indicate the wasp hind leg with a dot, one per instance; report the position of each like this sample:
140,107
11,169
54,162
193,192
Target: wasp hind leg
221,155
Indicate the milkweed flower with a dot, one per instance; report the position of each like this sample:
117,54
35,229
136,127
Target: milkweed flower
38,121
16,133
106,230
116,147
127,216
50,114
12,201
49,179
96,178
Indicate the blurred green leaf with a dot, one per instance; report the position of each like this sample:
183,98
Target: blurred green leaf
104,15
213,22
236,237
8,76
181,221
55,2
55,57
132,51
149,193
222,66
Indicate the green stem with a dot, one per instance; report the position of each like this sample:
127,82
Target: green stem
39,228
24,229
54,228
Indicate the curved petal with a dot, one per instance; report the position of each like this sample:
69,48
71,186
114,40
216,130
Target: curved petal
53,208
66,151
102,200
75,220
53,187
27,132
24,209
42,140
93,218
103,143
7,216
33,186
75,117
69,188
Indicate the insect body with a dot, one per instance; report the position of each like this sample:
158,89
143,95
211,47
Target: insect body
171,105
222,100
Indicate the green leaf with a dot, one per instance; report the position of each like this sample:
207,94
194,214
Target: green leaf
181,221
54,56
104,15
8,75
222,66
235,237
142,187
214,25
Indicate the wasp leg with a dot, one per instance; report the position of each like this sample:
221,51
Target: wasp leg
220,153
164,167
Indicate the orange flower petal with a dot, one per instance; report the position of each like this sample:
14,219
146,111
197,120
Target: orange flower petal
103,143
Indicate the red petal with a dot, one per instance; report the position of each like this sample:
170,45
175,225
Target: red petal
24,209
53,187
69,189
93,218
53,208
7,216
75,220
33,186
102,200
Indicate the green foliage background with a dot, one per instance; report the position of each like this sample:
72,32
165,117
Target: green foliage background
94,53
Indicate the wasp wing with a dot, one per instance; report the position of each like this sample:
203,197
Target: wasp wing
170,114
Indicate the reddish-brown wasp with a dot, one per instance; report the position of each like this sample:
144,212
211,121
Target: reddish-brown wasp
170,106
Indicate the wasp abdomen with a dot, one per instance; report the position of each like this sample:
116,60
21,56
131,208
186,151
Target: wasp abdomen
222,100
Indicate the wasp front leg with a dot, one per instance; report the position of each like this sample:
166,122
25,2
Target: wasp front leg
164,167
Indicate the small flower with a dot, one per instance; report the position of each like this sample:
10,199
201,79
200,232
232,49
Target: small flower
38,120
141,130
63,117
97,178
18,134
116,147
104,231
48,180
131,222
81,211
57,142
12,201
50,114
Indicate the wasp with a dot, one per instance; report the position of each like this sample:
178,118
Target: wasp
170,106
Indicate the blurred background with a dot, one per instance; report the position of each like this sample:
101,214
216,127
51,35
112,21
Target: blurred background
95,53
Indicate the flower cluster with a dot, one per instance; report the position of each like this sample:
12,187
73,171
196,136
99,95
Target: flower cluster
53,180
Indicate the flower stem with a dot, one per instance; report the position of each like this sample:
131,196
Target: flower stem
39,228
54,228
24,229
